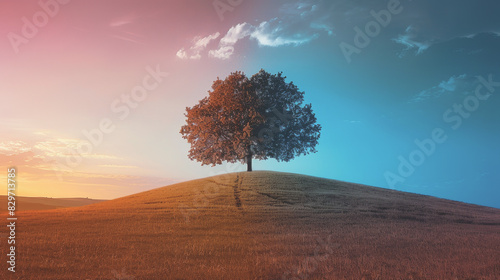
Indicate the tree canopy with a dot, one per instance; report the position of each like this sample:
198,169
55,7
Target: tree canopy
241,119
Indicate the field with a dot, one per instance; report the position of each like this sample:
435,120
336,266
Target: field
45,203
260,225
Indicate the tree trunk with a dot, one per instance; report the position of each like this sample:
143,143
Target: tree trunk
249,162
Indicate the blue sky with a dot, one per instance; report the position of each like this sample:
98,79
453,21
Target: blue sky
415,70
394,92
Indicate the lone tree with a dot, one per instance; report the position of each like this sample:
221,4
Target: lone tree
261,117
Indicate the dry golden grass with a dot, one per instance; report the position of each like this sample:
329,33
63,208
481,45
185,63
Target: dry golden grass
45,203
261,225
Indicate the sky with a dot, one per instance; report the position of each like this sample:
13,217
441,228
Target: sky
94,92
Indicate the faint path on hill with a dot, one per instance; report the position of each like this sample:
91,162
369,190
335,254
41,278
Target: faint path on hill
237,190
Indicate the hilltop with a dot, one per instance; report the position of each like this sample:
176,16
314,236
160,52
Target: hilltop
262,225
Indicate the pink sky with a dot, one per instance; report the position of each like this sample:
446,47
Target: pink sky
66,78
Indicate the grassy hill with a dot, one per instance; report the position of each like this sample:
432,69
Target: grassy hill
45,203
261,225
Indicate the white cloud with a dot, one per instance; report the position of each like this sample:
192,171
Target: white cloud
461,83
268,33
469,36
451,84
222,52
310,15
117,166
65,148
123,20
409,40
13,147
298,23
352,121
226,44
199,44
474,35
236,33
124,38
182,54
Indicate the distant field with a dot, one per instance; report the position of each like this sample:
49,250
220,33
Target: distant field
260,225
45,203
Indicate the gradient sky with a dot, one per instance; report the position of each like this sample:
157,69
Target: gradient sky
75,67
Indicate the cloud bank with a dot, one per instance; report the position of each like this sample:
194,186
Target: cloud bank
419,27
460,84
